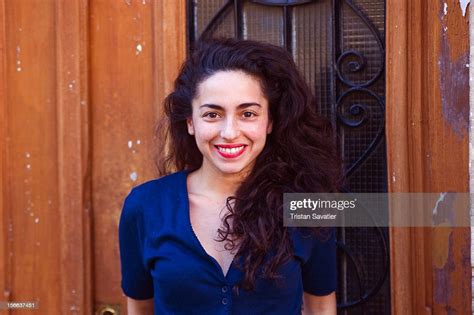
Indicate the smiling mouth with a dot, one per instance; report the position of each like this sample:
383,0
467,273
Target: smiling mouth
231,152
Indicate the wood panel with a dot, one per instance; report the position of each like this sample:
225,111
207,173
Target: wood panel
4,187
72,116
427,145
137,47
80,90
45,234
30,176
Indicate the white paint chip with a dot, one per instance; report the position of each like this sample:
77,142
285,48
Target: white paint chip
27,154
28,166
139,49
18,69
37,220
445,8
441,197
74,308
138,141
463,4
71,85
130,144
133,176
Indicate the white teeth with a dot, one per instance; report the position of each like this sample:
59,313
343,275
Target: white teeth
230,150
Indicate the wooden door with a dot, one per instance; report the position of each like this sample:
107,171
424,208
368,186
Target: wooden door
80,91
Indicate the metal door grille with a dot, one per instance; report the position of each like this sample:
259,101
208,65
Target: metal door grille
339,47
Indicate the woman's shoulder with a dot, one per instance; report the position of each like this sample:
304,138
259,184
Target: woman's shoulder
306,241
167,185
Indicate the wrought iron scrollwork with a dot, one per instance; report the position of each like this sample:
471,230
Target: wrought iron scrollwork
360,63
217,19
362,113
356,115
364,293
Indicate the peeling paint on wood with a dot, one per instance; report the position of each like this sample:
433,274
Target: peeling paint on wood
454,74
441,235
464,4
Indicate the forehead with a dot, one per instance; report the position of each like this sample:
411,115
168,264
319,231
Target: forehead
229,87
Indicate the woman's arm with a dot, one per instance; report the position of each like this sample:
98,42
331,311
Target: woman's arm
319,305
139,307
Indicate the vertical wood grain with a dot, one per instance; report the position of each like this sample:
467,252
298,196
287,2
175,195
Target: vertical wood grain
29,157
136,50
73,155
85,83
44,232
5,280
397,123
427,148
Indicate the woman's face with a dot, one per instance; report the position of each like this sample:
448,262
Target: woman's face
230,121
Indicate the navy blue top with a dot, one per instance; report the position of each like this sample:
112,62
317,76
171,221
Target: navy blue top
161,258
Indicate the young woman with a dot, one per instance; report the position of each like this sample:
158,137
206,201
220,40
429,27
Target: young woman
209,238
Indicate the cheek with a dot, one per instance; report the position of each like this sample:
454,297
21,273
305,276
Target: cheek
258,133
203,133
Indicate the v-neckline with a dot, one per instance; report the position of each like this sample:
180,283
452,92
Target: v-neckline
191,230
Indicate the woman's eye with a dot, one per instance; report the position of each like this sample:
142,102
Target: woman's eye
210,115
248,114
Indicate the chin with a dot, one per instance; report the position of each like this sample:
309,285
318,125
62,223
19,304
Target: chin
231,169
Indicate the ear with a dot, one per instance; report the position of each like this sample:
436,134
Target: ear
270,127
189,123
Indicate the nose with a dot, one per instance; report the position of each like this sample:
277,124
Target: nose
230,129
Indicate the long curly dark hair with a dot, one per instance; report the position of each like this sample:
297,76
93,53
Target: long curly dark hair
299,154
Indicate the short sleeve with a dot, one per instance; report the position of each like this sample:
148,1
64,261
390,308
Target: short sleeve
319,272
137,282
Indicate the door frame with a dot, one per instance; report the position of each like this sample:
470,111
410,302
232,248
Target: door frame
428,149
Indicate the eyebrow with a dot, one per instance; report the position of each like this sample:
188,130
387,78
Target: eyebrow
243,105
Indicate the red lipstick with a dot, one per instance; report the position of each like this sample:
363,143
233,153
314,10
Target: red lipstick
227,153
230,145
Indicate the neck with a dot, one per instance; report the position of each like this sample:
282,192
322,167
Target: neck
216,183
